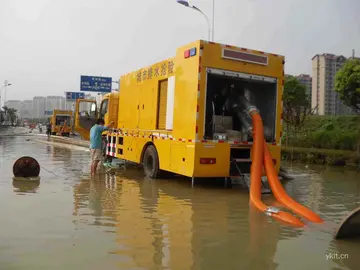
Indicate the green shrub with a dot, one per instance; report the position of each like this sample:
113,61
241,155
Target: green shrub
321,156
329,127
326,132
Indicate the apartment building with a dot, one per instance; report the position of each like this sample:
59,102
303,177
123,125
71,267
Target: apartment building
14,104
26,110
39,107
324,68
54,102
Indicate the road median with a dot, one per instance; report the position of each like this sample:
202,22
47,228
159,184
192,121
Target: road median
61,141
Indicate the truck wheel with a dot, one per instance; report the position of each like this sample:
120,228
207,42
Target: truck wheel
151,162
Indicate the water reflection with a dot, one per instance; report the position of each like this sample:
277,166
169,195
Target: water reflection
126,222
48,149
97,198
71,163
165,224
25,186
61,154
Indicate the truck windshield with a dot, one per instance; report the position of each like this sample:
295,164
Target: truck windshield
104,108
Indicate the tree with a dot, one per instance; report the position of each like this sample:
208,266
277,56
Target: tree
297,106
296,103
5,109
4,113
10,114
1,116
347,83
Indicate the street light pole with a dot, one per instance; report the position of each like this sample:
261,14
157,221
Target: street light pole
213,21
186,4
207,21
6,84
0,96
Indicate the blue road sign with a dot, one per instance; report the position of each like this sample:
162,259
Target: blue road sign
95,84
74,95
48,112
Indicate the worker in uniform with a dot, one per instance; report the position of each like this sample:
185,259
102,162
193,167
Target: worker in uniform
96,143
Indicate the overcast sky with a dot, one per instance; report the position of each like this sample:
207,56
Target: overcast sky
45,45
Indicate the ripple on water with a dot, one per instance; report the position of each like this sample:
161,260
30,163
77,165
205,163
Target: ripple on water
163,224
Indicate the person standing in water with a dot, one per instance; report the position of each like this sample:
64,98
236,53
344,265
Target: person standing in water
48,129
96,143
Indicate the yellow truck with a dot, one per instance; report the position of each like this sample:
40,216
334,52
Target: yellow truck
61,122
174,116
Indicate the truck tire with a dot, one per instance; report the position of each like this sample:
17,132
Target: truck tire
151,162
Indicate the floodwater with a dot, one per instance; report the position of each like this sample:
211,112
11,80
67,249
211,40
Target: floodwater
123,221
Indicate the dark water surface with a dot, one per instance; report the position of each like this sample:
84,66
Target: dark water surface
124,221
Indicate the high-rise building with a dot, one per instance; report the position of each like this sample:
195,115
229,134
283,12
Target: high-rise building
54,103
39,107
324,68
14,104
306,80
26,110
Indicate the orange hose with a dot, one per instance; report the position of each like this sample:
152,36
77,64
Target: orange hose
256,171
256,167
280,193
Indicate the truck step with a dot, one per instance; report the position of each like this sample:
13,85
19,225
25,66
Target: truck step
265,191
238,178
265,186
244,181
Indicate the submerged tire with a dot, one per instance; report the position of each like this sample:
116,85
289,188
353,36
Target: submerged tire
151,162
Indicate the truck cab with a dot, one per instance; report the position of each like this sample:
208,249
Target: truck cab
87,112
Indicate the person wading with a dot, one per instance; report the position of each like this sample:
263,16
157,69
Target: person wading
48,129
96,143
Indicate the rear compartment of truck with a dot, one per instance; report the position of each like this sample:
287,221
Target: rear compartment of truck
221,125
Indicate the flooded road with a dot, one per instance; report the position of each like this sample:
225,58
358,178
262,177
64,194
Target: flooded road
124,221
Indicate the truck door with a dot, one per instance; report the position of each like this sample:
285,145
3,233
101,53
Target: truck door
85,117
